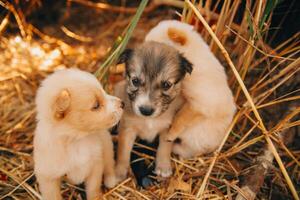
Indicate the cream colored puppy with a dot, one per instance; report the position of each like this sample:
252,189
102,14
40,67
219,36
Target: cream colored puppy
74,114
201,123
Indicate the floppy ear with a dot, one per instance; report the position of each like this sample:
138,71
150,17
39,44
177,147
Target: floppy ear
177,36
185,65
62,104
125,56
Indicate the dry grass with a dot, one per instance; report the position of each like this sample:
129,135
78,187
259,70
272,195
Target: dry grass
265,82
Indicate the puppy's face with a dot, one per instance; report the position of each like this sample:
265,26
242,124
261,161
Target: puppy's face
153,73
87,108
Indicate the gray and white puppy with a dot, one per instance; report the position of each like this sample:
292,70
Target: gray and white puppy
152,96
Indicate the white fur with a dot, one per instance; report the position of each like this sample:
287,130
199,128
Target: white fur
206,89
59,148
141,100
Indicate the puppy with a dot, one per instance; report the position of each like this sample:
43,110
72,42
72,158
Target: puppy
74,114
202,121
151,93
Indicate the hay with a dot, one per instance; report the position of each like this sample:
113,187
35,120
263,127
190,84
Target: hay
265,85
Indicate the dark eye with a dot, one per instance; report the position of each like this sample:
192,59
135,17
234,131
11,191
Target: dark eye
136,82
96,106
165,85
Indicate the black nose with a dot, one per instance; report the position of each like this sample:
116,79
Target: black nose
122,105
146,110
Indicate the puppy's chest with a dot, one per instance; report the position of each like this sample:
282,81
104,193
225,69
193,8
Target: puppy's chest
82,156
149,128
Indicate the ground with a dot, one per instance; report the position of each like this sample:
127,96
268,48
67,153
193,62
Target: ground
80,37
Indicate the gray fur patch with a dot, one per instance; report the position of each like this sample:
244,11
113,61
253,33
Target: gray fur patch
153,63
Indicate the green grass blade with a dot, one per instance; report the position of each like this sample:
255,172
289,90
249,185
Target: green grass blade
271,4
120,43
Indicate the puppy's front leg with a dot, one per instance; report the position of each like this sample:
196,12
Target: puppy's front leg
163,156
185,117
93,183
125,144
109,162
50,188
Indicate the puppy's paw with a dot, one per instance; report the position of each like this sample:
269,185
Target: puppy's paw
163,169
121,172
110,181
